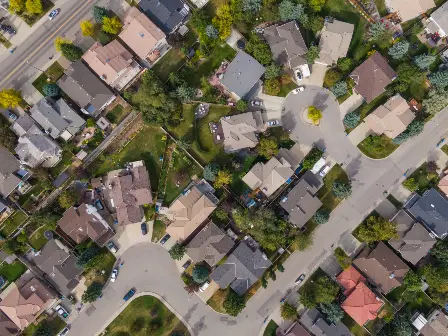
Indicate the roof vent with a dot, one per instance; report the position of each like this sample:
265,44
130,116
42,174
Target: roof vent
432,206
107,60
141,35
32,288
392,275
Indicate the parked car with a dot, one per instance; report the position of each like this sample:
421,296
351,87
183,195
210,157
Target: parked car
256,103
272,122
299,75
299,89
114,275
164,239
112,247
64,331
129,294
53,14
300,279
204,286
440,143
324,171
12,116
185,266
144,229
61,311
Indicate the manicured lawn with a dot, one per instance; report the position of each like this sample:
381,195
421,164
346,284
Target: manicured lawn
421,177
146,315
325,193
147,146
270,328
12,222
186,127
286,88
117,114
445,149
5,41
106,264
381,151
170,62
37,239
217,300
354,327
13,271
56,324
40,82
55,71
64,163
158,230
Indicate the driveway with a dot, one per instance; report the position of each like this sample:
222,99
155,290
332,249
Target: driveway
130,235
317,76
351,104
361,132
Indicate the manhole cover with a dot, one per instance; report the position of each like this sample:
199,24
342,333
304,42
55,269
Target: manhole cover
48,234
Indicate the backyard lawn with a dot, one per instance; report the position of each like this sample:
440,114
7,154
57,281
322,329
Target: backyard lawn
12,222
13,271
270,329
420,301
325,193
380,150
421,177
158,230
354,327
170,62
64,163
146,315
117,114
187,125
56,324
38,239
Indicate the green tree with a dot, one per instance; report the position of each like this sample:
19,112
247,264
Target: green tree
272,274
280,268
314,114
399,49
223,178
439,79
92,292
68,198
272,86
435,277
289,10
71,52
177,252
51,90
259,49
22,237
288,311
343,259
251,6
352,119
7,137
267,147
321,216
332,76
16,6
264,282
424,61
341,189
401,326
377,228
408,73
313,156
312,54
185,93
111,25
223,20
91,252
322,290
345,64
59,41
333,312
412,282
411,184
34,6
339,89
313,23
241,105
316,5
212,32
435,101
440,251
86,28
210,171
221,214
43,329
376,31
10,98
413,129
234,304
99,13
272,71
200,274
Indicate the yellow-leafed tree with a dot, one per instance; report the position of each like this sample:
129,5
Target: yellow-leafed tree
10,98
112,25
86,28
60,41
16,6
34,6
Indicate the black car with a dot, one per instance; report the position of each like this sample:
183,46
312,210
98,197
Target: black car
165,239
186,265
144,229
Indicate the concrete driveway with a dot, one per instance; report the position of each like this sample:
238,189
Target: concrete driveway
361,132
208,293
131,235
317,76
351,104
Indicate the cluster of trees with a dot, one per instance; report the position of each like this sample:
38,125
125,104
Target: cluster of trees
313,156
379,34
68,198
207,32
267,147
10,98
68,49
376,228
33,7
177,251
234,304
399,50
89,253
321,291
92,293
436,273
435,101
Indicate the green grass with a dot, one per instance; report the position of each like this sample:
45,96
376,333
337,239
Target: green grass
354,327
158,230
186,127
151,313
5,41
217,300
55,71
445,149
420,175
56,324
420,302
12,222
378,152
40,82
105,264
13,271
37,240
170,62
66,161
117,114
147,146
325,194
286,88
36,190
270,328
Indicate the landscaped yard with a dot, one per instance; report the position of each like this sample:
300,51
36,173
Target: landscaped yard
270,329
64,163
354,327
39,187
146,315
38,239
106,264
186,127
325,193
51,75
12,222
117,114
158,230
56,324
377,147
421,177
13,271
40,82
217,300
170,62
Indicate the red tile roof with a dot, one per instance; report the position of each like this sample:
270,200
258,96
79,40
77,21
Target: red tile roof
349,279
362,305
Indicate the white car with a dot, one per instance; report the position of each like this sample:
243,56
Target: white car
53,14
114,275
204,286
64,331
324,171
256,103
61,311
272,122
299,89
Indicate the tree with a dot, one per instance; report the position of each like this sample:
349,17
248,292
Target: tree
280,268
322,290
200,274
321,216
345,64
272,86
185,93
376,31
272,71
210,171
259,49
267,147
71,52
316,5
401,326
314,114
342,189
43,329
288,10
412,281
313,23
59,41
440,251
99,13
251,6
92,292
377,228
423,62
288,311
89,253
413,129
10,98
111,25
313,156
16,6
177,252
399,49
352,119
333,312
272,274
34,6
175,40
223,178
212,32
408,73
435,277
86,28
68,198
435,101
264,282
312,54
233,304
221,214
343,259
223,20
439,79
339,89
411,184
241,105
332,76
51,90
304,240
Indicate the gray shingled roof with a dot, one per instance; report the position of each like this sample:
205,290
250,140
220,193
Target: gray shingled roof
441,17
166,14
8,166
315,322
46,116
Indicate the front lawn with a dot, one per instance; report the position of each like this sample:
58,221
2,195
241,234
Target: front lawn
217,300
377,147
12,222
424,179
146,315
13,271
325,193
169,63
55,71
40,82
106,264
270,329
445,149
158,230
56,324
37,240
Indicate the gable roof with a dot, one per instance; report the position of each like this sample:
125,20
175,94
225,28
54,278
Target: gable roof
210,244
414,241
372,77
294,330
391,118
362,304
437,325
292,155
409,9
242,74
334,41
8,166
241,269
286,43
349,279
167,14
44,114
382,266
7,327
440,16
240,131
315,322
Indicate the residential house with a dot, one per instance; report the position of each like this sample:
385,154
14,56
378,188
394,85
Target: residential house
435,325
242,76
35,148
84,222
242,269
293,155
372,77
141,34
7,327
210,245
12,175
167,14
443,184
85,89
391,118
287,45
127,191
301,202
349,278
241,130
437,24
431,210
315,322
113,63
409,9
190,209
57,118
294,329
382,267
22,305
414,241
334,41
58,266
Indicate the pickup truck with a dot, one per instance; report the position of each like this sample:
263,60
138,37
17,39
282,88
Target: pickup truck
129,294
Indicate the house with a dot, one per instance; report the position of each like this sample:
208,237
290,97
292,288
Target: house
242,269
437,24
7,327
301,202
443,184
35,148
190,209
293,155
287,45
242,75
127,191
113,63
294,329
349,278
58,266
85,222
85,89
414,241
382,267
431,210
241,130
315,322
372,77
167,14
435,325
22,305
57,118
12,175
391,118
409,9
334,41
210,244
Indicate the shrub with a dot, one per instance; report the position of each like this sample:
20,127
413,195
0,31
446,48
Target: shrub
288,311
339,89
314,114
343,259
272,86
272,71
411,184
332,76
321,216
177,251
234,304
341,189
313,156
352,119
399,50
241,105
51,90
200,274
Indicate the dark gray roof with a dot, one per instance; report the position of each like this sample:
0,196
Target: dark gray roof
315,322
431,209
241,269
242,74
75,121
46,116
8,166
23,125
84,88
166,14
300,202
